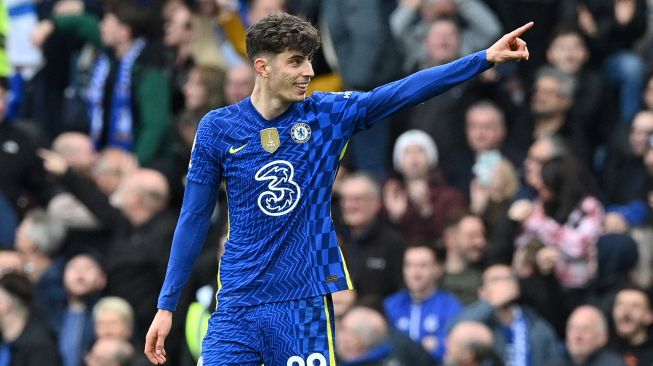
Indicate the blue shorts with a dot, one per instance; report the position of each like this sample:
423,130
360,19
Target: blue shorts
291,333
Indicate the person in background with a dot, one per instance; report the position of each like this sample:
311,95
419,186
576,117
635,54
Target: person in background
632,318
417,198
26,341
465,242
471,344
422,311
366,339
521,336
587,335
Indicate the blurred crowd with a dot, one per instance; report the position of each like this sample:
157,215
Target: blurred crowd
507,221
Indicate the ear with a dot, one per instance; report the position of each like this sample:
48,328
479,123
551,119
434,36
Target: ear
648,319
261,66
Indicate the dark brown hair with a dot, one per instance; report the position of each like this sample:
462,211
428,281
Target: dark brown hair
277,33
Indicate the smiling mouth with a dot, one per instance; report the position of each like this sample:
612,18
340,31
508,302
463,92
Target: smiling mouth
301,85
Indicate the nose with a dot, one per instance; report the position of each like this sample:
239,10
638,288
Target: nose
307,71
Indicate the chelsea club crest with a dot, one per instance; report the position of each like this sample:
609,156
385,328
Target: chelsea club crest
300,132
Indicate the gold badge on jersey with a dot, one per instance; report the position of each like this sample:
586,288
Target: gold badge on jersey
270,139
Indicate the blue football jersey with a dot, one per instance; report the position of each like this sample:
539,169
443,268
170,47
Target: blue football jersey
278,175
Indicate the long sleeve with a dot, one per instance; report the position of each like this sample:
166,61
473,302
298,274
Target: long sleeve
154,103
190,234
422,85
84,26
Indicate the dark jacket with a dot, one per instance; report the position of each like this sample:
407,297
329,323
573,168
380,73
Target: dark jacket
543,342
602,357
35,346
374,260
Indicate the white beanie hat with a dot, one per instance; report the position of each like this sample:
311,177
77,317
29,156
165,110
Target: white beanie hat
412,137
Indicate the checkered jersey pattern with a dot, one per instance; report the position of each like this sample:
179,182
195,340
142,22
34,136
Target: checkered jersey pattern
297,332
282,244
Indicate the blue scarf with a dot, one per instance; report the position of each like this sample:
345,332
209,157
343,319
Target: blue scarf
517,336
120,133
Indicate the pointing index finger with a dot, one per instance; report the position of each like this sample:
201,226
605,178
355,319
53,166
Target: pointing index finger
521,30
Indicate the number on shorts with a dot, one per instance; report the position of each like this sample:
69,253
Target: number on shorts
310,361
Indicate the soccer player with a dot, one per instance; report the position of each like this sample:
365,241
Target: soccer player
278,153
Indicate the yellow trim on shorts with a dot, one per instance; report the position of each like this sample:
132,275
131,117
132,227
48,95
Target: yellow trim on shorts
332,356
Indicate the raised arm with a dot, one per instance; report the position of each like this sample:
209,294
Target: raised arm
425,84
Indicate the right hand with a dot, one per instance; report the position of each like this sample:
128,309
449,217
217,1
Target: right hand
395,200
520,210
53,162
156,336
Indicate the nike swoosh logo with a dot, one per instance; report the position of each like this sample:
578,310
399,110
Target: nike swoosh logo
233,151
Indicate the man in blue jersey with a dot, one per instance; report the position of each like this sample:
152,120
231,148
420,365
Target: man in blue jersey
422,311
278,152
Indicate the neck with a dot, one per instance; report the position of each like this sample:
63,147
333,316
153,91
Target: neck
122,49
268,105
423,294
76,303
505,315
638,338
547,126
454,263
183,53
12,325
139,217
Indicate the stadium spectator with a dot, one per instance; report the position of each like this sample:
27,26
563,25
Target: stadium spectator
422,311
587,334
374,250
25,340
465,242
471,344
72,321
366,339
417,198
129,94
632,318
521,336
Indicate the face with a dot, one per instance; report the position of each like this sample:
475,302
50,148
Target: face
568,53
539,153
262,8
442,42
178,27
239,83
126,196
640,133
648,94
113,32
470,237
584,333
414,161
631,313
421,270
547,98
498,279
83,276
358,202
103,353
110,324
288,75
485,129
342,301
23,243
194,91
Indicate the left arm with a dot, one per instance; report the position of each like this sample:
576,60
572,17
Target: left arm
422,85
